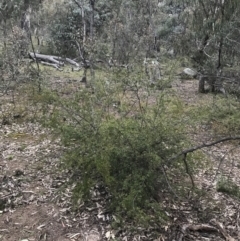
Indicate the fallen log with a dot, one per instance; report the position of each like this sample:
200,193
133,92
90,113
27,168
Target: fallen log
70,61
51,64
54,60
47,58
207,228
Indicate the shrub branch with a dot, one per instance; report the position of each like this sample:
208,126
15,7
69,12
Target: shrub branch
184,153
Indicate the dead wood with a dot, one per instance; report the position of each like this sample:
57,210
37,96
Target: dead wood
207,228
50,64
51,60
222,230
47,58
70,61
192,227
184,153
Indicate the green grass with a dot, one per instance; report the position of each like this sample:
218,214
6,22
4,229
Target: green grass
228,187
220,113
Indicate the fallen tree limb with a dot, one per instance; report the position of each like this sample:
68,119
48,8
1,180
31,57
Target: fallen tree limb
54,60
184,152
70,61
193,227
50,64
222,230
76,69
47,58
207,228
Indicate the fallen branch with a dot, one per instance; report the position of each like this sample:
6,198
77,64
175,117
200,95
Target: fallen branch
54,61
50,64
190,150
47,58
184,152
222,230
70,61
76,69
198,227
206,228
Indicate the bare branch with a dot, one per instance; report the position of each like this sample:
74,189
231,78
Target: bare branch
184,152
190,150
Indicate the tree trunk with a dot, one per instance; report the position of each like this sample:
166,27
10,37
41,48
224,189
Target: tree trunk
25,21
201,85
92,3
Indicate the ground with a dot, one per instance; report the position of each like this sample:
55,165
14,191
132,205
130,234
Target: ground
35,199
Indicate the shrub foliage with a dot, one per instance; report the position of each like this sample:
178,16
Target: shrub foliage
121,137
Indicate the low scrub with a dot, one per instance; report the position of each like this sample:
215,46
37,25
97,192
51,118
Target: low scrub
228,187
122,136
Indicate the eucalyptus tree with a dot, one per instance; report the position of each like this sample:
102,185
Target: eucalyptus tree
210,34
15,29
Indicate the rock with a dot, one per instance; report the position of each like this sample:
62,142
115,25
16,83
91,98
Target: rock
171,52
188,73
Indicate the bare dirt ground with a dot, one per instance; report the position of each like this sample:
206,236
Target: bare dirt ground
35,207
35,201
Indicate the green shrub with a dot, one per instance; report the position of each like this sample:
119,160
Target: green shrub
121,139
228,187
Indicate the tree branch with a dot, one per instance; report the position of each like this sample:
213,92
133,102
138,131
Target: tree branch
184,152
190,150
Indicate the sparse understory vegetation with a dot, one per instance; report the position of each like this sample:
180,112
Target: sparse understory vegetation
119,119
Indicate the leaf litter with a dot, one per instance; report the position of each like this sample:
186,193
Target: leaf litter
35,197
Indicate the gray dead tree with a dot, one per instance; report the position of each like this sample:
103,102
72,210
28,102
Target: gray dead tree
152,70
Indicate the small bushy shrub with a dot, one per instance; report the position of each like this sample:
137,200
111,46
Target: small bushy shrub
121,138
228,187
